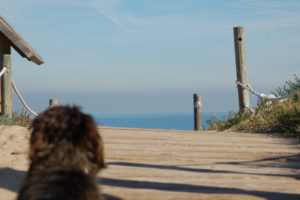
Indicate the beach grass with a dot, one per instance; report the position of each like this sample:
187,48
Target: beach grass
279,117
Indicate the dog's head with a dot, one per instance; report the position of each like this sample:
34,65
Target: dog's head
65,136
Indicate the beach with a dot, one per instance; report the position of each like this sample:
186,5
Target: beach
148,164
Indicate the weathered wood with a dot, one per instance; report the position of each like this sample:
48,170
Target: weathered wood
197,113
53,102
4,49
6,86
207,166
241,69
18,43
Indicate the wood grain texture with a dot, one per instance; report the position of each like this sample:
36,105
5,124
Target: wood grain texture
146,164
205,165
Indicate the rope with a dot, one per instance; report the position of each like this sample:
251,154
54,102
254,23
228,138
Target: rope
22,100
18,94
270,97
2,71
217,117
198,105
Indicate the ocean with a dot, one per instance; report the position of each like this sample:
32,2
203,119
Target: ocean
154,120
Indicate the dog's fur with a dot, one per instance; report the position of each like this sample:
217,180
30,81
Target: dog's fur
66,152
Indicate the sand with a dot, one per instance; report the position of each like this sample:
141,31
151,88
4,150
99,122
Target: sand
183,165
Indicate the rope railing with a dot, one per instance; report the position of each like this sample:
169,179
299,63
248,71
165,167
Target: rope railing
269,97
22,100
18,94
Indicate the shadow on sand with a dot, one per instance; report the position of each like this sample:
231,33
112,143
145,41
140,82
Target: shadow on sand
290,162
175,187
11,179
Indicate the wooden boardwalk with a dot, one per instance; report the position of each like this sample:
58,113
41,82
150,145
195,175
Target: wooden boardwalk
176,165
152,164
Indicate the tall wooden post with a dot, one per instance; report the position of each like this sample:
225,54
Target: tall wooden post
241,69
197,113
6,86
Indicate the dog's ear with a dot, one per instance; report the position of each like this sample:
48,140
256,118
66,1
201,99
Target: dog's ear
101,162
96,139
39,145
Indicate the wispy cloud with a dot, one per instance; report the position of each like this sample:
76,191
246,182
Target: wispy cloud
271,14
261,14
266,14
107,8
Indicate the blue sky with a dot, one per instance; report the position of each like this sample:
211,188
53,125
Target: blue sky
151,55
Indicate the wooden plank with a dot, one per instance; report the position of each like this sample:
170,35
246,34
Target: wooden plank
6,86
19,43
241,68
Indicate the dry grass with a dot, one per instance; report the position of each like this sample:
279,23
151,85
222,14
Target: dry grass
279,117
18,118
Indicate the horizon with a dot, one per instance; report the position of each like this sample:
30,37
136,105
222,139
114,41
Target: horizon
141,56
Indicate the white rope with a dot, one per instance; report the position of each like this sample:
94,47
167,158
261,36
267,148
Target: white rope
2,71
270,97
219,118
22,100
198,105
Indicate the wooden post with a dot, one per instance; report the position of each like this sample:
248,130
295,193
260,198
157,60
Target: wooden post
197,113
53,102
241,69
5,83
6,87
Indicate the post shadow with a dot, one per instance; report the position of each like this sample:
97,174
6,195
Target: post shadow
167,167
176,187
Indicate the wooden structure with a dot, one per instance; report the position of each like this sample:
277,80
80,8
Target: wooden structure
10,38
197,113
241,69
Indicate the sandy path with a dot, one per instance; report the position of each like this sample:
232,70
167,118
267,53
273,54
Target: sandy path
152,164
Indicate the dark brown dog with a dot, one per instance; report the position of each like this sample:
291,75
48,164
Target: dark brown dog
66,152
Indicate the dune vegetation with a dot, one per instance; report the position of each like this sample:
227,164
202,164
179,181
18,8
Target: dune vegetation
18,118
276,117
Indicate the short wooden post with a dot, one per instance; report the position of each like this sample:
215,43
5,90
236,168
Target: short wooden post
6,86
197,113
53,102
241,69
